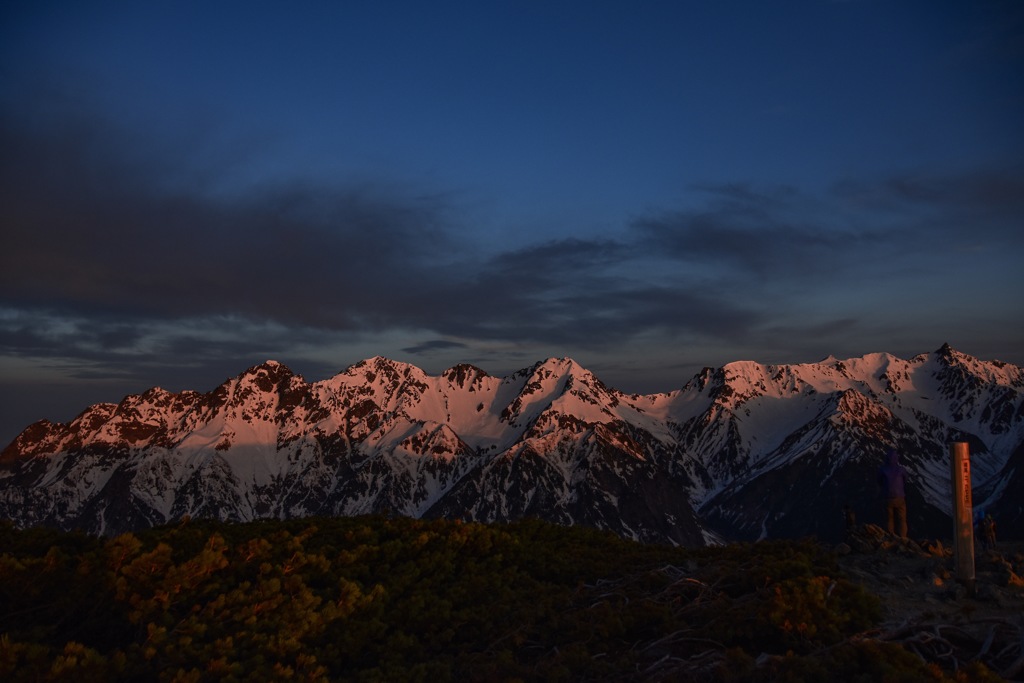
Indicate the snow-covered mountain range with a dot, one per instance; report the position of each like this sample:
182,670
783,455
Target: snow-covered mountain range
740,452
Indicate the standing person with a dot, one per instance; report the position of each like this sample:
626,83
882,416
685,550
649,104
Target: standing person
892,478
988,531
851,520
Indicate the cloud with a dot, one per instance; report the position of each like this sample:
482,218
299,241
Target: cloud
991,198
107,233
433,345
755,237
85,346
782,240
94,230
120,256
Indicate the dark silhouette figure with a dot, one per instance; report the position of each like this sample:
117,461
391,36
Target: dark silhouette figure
988,531
892,478
850,517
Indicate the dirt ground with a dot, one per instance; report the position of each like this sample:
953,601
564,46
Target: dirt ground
931,612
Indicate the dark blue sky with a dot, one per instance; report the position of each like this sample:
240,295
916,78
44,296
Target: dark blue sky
649,187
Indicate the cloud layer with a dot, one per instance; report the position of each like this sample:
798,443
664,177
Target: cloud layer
109,248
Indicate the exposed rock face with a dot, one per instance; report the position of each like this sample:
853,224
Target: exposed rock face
740,452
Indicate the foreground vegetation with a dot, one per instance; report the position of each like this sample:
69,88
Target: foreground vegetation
377,599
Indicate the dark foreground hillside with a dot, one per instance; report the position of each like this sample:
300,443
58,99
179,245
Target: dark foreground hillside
375,599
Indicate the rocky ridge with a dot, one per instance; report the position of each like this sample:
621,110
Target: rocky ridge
740,452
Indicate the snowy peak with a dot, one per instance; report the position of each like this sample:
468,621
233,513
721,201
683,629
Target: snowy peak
465,376
708,379
268,376
382,380
857,411
39,438
382,372
562,385
947,361
949,356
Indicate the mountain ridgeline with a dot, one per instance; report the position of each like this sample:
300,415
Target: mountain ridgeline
741,452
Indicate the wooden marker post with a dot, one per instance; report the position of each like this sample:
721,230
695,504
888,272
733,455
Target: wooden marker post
963,516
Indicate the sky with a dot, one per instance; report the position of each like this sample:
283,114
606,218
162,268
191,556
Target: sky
190,188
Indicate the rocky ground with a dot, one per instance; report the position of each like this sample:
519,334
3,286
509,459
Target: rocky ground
930,611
